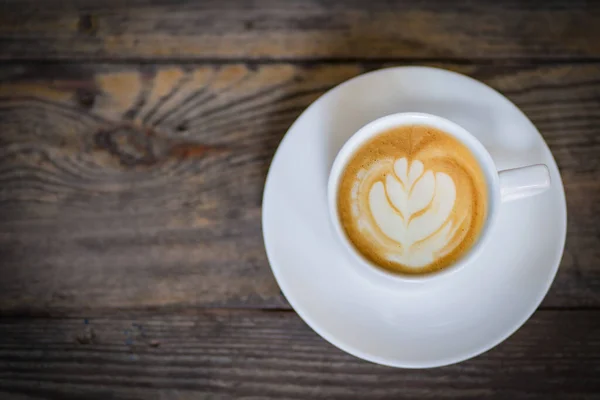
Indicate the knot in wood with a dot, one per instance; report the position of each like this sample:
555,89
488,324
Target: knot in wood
87,25
131,146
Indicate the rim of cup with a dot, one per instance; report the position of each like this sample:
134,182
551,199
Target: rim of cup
371,270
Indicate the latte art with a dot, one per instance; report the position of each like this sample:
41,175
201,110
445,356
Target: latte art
413,209
412,199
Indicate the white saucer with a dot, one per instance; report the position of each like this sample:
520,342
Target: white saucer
416,325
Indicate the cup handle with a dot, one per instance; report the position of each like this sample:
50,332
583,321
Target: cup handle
518,183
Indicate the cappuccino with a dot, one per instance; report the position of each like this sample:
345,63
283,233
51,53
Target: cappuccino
412,199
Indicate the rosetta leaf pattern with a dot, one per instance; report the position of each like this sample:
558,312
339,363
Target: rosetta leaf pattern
413,205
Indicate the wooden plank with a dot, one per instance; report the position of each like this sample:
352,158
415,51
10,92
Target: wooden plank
299,29
274,355
141,186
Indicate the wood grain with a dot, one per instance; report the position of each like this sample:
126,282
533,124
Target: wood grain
298,29
135,138
273,355
141,186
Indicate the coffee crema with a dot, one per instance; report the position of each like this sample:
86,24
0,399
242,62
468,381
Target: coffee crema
413,199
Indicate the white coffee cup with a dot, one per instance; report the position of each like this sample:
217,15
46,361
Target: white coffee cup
503,186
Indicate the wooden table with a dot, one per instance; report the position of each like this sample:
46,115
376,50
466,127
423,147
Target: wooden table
135,137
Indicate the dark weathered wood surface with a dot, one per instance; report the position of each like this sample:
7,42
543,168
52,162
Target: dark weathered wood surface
135,138
142,186
258,354
299,29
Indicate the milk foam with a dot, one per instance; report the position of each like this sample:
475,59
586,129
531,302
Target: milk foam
412,206
413,199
